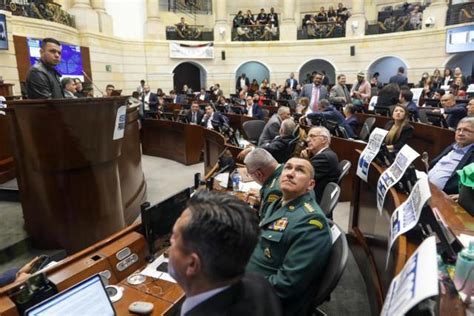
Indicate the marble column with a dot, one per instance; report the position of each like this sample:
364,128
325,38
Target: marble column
222,29
154,28
434,16
105,20
355,25
86,18
288,27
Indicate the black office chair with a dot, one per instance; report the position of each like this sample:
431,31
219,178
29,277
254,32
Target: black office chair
344,166
291,148
367,128
266,114
253,129
321,289
330,199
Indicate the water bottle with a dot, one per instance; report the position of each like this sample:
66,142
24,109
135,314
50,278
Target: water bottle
464,276
236,180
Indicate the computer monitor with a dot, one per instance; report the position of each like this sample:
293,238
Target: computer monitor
85,298
158,220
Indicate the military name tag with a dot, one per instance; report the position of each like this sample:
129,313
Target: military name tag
279,225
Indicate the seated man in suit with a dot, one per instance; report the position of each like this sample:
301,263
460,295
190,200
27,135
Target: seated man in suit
279,147
325,161
272,128
453,113
295,240
194,116
314,92
455,157
351,120
211,244
406,99
266,171
252,109
213,120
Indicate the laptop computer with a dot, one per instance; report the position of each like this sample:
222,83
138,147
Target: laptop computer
85,298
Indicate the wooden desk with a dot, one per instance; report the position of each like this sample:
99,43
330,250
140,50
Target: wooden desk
369,238
100,257
6,89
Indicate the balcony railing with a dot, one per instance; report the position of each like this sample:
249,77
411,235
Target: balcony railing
39,9
190,33
460,12
251,33
322,30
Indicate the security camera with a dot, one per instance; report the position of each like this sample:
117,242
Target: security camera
430,22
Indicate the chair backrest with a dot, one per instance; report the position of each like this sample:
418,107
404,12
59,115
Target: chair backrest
291,148
335,266
367,128
253,129
321,288
266,114
344,166
330,198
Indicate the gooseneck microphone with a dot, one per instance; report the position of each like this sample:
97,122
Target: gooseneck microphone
88,78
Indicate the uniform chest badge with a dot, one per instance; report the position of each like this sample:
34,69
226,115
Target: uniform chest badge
279,225
267,253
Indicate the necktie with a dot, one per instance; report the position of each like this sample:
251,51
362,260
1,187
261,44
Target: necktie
194,117
315,98
346,93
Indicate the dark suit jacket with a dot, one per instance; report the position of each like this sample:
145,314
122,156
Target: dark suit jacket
452,186
413,109
307,91
279,147
189,116
326,169
288,81
252,295
217,117
405,135
256,112
399,79
351,126
180,99
455,114
153,102
237,84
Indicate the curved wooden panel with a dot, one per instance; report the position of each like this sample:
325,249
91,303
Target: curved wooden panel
132,180
7,167
68,170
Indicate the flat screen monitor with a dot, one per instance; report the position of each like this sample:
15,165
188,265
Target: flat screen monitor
85,298
158,220
460,39
71,58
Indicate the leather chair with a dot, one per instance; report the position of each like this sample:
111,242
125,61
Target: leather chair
367,128
321,289
344,166
330,198
253,129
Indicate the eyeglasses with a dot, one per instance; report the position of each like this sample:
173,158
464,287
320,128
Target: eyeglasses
464,131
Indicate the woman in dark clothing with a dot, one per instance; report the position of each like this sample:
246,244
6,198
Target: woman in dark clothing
399,130
389,95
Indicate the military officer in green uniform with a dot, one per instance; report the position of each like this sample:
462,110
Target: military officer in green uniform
295,239
266,171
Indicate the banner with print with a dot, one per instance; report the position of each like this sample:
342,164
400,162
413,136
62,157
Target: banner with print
200,51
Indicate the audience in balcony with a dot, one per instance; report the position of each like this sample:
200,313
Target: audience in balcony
263,26
324,23
405,19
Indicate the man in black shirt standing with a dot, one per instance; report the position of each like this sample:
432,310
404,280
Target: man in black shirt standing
43,80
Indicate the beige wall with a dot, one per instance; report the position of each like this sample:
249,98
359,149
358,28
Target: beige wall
134,60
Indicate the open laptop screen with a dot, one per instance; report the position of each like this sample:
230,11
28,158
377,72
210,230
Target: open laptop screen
85,298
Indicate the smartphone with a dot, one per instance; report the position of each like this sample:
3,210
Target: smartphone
163,267
40,264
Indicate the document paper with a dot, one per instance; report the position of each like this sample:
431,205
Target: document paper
120,121
417,281
407,215
370,151
394,173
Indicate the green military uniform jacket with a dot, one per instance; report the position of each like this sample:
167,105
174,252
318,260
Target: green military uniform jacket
293,249
270,191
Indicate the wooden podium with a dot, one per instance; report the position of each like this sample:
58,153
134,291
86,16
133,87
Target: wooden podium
6,89
68,169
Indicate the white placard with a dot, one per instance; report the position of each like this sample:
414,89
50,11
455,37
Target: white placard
417,281
200,51
394,173
335,233
408,213
120,121
373,103
416,94
370,151
152,272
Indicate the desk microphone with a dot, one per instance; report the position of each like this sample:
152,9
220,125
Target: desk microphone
88,78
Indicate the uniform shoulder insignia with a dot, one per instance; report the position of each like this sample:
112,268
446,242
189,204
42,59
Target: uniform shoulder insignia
309,208
316,223
272,197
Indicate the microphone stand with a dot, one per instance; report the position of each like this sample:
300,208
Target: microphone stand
88,78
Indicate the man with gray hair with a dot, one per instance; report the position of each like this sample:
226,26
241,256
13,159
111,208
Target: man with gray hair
325,161
272,128
266,171
443,171
279,147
